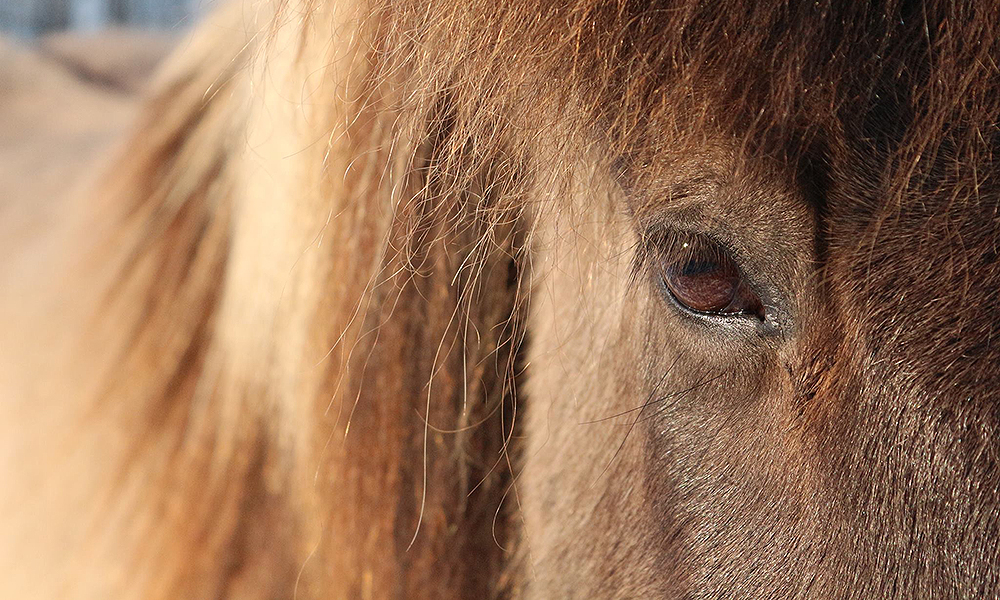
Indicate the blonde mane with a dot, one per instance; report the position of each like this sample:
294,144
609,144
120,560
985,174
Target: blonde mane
288,279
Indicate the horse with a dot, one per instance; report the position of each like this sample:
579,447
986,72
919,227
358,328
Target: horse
424,299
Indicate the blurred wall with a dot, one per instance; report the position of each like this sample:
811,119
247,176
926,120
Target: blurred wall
28,18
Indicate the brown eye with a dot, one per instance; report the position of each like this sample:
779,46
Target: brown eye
703,277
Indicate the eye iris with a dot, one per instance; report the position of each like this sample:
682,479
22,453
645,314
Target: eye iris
704,278
702,286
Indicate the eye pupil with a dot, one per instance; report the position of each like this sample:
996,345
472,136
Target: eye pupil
703,268
703,277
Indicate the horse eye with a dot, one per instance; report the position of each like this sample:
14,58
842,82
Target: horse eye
704,278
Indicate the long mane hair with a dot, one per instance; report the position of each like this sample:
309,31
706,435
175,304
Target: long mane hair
311,326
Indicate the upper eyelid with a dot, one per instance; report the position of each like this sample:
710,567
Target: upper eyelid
664,237
659,240
651,207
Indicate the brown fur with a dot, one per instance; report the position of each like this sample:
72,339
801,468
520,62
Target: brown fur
363,310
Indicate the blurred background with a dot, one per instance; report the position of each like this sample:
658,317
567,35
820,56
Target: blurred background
30,18
73,75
